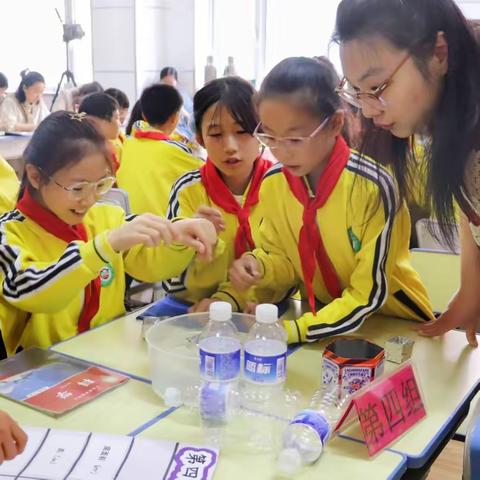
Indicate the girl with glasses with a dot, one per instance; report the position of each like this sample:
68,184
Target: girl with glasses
225,189
333,225
413,67
63,256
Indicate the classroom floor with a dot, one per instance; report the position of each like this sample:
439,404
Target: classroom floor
449,465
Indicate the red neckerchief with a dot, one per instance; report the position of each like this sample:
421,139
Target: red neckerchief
114,158
152,135
310,243
220,194
68,233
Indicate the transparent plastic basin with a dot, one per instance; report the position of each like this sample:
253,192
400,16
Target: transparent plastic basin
173,349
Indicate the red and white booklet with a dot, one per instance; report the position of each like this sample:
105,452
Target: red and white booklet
54,383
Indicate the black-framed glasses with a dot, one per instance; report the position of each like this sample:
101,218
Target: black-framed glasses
372,99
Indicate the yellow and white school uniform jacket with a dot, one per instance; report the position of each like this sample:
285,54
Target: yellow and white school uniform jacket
148,170
366,240
42,279
9,186
203,280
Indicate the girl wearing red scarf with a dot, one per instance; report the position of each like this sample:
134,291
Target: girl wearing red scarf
63,256
333,225
225,190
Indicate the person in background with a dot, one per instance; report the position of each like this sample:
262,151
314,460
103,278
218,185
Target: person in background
186,126
104,112
9,186
151,160
70,98
3,87
122,100
134,119
25,109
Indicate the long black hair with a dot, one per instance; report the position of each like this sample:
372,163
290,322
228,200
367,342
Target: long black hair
413,25
28,79
235,94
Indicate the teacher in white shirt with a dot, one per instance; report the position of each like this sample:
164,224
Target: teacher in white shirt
25,109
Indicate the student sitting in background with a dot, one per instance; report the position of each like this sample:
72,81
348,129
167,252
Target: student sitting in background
3,87
123,102
70,98
24,110
124,105
135,117
225,190
9,186
104,112
151,160
63,256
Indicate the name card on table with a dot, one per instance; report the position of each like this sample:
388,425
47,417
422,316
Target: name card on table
387,408
61,454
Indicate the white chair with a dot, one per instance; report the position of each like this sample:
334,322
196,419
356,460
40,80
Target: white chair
118,197
429,236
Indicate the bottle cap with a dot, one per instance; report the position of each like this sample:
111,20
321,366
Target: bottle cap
289,462
220,311
266,313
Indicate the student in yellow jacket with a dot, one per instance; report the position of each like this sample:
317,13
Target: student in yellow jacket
63,257
151,160
225,189
334,226
104,112
9,186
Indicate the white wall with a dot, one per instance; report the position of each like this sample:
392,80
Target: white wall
470,8
134,40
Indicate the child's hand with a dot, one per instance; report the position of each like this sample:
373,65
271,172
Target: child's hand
245,272
198,234
212,214
202,306
250,308
146,229
12,438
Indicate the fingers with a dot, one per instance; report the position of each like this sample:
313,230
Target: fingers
244,272
471,334
20,437
198,234
213,215
434,329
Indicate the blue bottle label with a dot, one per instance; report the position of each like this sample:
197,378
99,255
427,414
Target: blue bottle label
220,366
315,420
214,401
265,369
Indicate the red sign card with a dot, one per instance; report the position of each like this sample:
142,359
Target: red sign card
389,407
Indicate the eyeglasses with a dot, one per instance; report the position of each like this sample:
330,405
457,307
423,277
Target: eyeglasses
81,190
372,99
272,142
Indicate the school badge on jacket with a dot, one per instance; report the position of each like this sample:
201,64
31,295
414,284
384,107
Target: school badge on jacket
107,274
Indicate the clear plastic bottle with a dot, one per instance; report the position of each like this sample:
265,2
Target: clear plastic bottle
219,346
264,373
309,431
220,360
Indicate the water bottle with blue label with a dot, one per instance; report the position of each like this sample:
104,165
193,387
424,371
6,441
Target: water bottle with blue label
265,360
219,346
264,374
220,352
309,431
